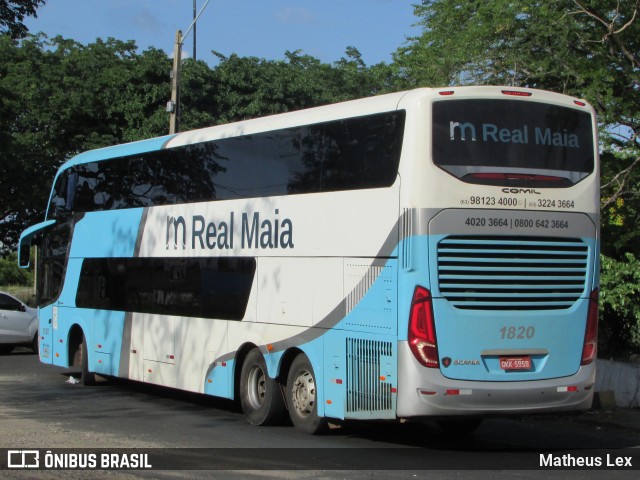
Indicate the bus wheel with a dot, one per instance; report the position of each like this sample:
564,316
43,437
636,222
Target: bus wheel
260,395
35,344
88,378
302,398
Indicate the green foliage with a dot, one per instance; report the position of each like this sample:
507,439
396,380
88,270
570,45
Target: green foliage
620,212
247,87
620,305
12,13
11,274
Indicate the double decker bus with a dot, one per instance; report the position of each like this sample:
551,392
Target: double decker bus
430,253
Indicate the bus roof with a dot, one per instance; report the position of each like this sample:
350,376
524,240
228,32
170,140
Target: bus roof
351,108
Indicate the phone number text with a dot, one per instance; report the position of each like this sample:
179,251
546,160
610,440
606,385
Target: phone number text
500,222
488,201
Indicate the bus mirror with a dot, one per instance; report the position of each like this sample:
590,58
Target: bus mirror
24,253
26,239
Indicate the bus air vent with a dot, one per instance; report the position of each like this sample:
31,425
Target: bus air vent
365,392
512,273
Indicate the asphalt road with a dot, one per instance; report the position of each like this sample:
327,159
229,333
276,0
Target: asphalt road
39,410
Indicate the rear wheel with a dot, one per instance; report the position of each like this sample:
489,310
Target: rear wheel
260,396
302,397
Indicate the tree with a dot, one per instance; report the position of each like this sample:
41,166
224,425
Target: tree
248,87
11,274
12,13
620,304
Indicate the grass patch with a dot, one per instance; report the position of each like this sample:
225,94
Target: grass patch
25,294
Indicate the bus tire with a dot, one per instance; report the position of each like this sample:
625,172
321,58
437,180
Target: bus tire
302,397
260,395
88,377
35,344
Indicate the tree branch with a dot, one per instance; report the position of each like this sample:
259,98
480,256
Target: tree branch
620,179
612,34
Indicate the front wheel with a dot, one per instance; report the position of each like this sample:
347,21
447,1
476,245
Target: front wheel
260,395
302,397
35,344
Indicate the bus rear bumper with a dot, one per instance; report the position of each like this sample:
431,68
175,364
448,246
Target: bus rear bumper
426,392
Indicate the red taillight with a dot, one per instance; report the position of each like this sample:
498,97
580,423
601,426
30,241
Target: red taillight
590,347
422,329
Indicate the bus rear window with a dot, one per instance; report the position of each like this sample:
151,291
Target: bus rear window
511,142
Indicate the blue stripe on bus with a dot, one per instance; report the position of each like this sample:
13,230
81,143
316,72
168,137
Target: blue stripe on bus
111,233
116,151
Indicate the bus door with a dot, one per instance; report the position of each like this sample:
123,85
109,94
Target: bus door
36,236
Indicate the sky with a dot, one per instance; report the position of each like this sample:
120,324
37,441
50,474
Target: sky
260,28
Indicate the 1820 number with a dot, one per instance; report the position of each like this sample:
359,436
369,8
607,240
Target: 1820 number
516,333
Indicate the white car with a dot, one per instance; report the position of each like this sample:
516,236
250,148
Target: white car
18,324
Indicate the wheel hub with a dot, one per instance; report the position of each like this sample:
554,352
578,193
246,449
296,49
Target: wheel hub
304,394
256,387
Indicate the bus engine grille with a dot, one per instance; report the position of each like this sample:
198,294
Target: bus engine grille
366,393
512,273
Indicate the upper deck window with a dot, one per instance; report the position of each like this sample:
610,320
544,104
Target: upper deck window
347,154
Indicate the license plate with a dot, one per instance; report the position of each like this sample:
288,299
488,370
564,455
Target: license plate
515,363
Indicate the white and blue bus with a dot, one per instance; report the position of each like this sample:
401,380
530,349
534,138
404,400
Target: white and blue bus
430,253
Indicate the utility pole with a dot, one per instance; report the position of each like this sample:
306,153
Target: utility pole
194,30
174,106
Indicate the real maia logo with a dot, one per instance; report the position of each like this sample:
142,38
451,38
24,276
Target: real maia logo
489,132
255,232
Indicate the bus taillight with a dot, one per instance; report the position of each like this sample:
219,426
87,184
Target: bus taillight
516,93
422,329
591,335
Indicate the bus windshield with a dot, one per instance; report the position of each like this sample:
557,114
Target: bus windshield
511,142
